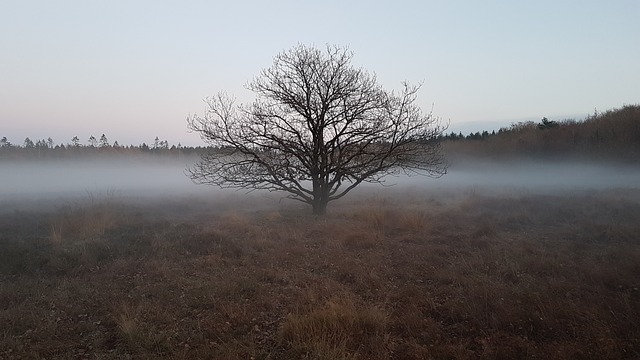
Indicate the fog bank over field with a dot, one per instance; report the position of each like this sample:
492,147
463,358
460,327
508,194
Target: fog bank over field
39,182
71,177
541,176
26,184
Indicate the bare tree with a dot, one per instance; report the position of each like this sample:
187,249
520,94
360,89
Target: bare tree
318,128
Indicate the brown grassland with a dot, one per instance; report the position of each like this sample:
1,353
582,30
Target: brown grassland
391,274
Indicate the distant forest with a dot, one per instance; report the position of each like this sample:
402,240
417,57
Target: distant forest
48,148
613,135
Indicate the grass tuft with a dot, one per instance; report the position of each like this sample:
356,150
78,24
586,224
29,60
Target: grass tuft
337,329
128,327
55,236
361,239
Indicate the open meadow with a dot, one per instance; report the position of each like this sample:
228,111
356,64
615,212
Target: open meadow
389,273
174,187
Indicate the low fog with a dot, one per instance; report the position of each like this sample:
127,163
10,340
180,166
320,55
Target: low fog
70,178
533,176
29,184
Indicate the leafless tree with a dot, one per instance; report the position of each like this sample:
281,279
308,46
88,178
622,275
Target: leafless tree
318,128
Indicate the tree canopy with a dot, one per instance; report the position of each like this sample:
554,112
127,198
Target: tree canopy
318,128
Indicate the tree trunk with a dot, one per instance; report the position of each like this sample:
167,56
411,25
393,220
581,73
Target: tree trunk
319,206
320,197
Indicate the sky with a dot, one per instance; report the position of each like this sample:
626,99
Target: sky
135,69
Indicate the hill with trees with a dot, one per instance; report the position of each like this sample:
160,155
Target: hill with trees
613,135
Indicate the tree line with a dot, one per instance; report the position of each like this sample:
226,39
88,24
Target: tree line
93,145
609,135
613,133
92,142
544,124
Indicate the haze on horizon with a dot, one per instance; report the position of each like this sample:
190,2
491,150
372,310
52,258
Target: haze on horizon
45,184
135,70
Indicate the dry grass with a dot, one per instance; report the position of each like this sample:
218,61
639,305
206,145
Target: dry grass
339,329
80,223
56,233
394,276
128,326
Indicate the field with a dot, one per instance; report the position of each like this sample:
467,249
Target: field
387,274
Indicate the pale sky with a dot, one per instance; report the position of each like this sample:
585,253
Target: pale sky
134,70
